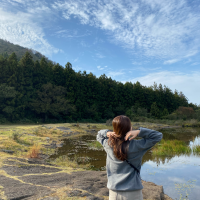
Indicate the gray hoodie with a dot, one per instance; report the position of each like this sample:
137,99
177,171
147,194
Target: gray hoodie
121,176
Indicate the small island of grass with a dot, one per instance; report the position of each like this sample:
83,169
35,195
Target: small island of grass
171,147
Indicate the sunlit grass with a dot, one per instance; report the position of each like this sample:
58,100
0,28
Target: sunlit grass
170,147
95,145
65,161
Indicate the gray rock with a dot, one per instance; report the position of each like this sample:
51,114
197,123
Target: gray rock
74,193
50,198
7,151
59,145
46,179
94,198
63,128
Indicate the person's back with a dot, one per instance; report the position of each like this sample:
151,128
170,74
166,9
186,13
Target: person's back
124,177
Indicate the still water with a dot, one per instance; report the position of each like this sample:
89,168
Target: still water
179,174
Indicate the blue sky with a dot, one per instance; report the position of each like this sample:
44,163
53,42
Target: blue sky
128,40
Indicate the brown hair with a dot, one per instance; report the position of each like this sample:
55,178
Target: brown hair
121,125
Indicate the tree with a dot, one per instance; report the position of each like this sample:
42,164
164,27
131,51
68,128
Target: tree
58,75
51,102
154,110
165,112
7,105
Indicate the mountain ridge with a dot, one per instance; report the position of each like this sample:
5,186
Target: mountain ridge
7,48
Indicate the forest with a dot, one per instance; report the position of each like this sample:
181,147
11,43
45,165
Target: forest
33,91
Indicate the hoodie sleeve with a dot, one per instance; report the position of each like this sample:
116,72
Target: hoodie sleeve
149,139
101,136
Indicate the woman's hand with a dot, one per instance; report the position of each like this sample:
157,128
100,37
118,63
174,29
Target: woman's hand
109,133
131,135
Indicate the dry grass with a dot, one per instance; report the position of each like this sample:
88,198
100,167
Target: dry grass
34,151
2,195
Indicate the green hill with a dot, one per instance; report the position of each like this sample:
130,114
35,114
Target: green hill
7,48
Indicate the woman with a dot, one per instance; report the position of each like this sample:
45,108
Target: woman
124,157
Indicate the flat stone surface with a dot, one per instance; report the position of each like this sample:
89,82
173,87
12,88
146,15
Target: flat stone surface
31,182
50,198
58,179
23,169
14,189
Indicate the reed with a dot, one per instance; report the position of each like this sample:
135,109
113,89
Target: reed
196,149
171,147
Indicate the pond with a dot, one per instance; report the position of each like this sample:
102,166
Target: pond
179,174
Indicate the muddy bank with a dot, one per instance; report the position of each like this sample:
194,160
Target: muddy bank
31,180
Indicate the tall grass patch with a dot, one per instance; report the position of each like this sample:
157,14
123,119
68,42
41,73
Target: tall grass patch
171,147
196,149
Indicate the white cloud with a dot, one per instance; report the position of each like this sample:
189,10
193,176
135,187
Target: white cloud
187,83
196,63
70,33
101,68
99,55
161,29
171,61
23,29
76,59
114,74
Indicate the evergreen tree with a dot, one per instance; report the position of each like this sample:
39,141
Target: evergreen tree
165,112
51,103
7,105
155,110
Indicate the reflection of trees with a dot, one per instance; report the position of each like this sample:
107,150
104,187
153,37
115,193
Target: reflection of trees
184,134
157,159
169,136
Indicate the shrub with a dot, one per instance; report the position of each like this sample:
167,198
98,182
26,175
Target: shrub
16,136
109,122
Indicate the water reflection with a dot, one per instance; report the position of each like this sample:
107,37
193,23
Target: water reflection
179,176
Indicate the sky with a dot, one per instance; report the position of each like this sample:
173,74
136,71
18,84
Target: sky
128,40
